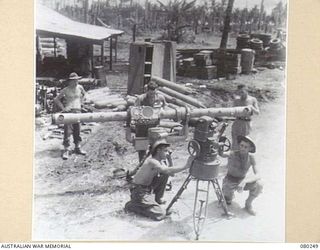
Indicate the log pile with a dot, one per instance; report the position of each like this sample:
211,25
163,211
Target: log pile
49,46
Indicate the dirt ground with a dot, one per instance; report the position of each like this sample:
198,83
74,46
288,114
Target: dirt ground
79,199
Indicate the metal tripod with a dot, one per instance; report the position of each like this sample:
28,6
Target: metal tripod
201,201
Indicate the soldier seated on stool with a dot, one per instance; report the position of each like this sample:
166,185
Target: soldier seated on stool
147,189
239,162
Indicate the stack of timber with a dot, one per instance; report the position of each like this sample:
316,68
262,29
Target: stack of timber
51,47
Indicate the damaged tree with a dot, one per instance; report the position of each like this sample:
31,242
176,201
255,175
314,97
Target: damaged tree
226,28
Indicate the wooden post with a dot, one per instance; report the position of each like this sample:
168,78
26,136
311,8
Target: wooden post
110,66
116,49
102,53
92,59
54,47
134,32
38,55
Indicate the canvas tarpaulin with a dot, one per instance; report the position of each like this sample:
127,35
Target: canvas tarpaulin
50,22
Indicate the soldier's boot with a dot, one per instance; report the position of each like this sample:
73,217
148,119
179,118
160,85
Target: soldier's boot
78,150
248,205
66,153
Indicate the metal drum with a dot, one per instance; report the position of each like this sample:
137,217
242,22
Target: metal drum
205,170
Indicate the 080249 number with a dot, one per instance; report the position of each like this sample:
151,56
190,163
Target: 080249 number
304,245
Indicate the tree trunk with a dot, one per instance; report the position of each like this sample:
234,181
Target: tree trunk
226,29
86,6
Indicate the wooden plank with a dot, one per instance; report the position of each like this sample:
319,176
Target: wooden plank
136,68
158,60
169,66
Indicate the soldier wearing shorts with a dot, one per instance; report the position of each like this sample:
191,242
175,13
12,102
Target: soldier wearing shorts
239,163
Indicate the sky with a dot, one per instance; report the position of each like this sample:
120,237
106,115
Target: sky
268,4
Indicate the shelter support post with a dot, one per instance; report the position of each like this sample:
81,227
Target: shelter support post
102,53
55,47
116,49
110,65
91,54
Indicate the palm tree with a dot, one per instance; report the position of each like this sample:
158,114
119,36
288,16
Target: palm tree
177,12
236,17
254,16
213,13
243,19
279,14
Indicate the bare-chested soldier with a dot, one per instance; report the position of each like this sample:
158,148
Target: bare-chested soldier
237,178
242,125
144,192
70,100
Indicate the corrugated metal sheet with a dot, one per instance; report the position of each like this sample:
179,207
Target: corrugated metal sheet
51,22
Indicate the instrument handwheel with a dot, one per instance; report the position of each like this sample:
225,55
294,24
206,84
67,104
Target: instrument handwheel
194,148
226,144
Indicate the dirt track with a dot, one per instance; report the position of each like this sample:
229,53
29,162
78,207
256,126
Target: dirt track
78,199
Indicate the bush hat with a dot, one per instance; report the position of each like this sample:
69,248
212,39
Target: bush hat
74,76
158,143
241,138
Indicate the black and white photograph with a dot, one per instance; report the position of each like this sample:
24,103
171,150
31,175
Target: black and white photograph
160,120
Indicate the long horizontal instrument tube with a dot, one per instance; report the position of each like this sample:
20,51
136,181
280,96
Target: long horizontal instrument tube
64,118
178,114
110,104
187,99
212,112
172,85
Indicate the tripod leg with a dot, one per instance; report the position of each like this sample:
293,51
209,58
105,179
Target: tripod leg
177,196
199,215
220,197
